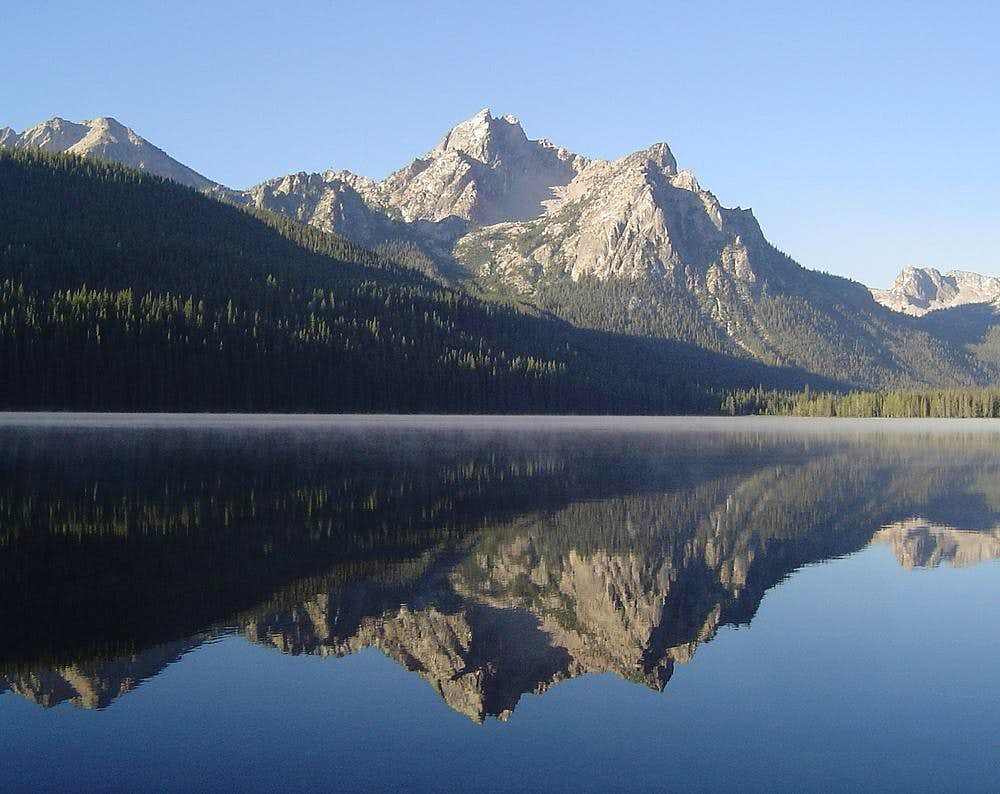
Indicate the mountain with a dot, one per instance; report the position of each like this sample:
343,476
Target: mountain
919,290
123,290
483,171
637,246
631,246
634,247
104,137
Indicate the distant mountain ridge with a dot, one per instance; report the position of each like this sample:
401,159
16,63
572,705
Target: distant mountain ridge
919,290
104,137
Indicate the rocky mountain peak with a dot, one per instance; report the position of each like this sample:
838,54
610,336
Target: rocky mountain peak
484,170
918,290
106,125
485,138
109,139
660,155
55,135
921,283
636,217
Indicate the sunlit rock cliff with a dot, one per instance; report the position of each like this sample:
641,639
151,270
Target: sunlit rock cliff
919,290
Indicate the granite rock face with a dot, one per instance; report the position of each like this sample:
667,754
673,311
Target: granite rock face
483,171
630,218
106,138
919,290
529,206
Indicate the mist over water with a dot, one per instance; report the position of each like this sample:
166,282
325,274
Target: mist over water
453,602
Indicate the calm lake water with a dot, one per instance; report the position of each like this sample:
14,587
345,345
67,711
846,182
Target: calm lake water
297,603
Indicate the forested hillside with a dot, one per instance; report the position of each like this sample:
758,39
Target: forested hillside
495,226
630,246
773,309
120,290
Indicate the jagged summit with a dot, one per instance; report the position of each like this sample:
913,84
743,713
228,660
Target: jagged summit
919,290
55,135
485,138
107,138
660,155
634,217
485,170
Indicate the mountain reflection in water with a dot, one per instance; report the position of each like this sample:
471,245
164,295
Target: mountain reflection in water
491,558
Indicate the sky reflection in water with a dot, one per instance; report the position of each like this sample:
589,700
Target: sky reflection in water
504,601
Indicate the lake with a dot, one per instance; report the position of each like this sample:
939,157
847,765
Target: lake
474,603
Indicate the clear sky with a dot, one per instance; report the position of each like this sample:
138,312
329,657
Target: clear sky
863,135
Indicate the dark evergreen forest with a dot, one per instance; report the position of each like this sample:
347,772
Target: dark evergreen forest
123,291
929,403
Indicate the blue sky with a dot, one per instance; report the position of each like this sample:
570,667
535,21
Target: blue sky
863,135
